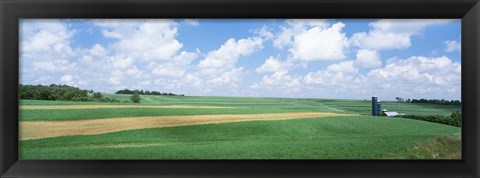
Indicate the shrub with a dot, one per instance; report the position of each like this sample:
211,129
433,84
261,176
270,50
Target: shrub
455,119
97,95
135,97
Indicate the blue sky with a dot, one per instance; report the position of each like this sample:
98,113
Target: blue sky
325,58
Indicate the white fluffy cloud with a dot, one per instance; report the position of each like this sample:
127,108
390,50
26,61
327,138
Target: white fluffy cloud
381,40
51,65
264,33
98,50
414,77
294,27
46,37
143,40
279,82
311,60
368,58
44,50
120,62
66,78
319,44
343,67
391,34
117,77
454,45
176,67
225,57
274,65
230,78
335,74
421,76
215,73
419,69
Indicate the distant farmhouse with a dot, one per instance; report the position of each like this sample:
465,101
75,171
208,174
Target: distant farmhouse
377,109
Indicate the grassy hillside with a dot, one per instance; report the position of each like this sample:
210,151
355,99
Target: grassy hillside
322,138
346,137
240,106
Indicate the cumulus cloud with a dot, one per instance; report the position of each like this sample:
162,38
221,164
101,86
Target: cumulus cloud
45,49
419,69
312,40
368,58
116,77
293,27
414,77
280,82
225,57
419,76
381,40
72,80
453,45
218,69
335,74
120,61
230,78
46,36
144,40
274,65
320,44
343,67
176,67
98,50
66,78
52,65
264,33
392,34
146,54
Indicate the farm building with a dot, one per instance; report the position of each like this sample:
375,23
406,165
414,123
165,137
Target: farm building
390,114
377,109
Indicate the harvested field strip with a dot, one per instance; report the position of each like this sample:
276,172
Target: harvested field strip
46,129
37,107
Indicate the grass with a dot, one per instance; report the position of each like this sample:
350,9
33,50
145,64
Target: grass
241,106
447,147
365,107
354,137
359,137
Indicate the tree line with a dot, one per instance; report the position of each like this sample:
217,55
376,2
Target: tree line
52,92
146,92
431,101
60,92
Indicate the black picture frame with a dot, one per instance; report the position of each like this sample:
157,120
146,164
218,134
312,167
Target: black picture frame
12,10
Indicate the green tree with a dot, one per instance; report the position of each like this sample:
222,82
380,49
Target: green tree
135,97
97,95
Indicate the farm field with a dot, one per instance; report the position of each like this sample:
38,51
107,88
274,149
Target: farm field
194,127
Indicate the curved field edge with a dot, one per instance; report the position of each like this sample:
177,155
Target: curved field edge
318,138
45,129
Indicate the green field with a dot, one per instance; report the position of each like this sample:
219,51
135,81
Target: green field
340,137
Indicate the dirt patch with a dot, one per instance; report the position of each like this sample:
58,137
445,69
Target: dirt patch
45,129
34,107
